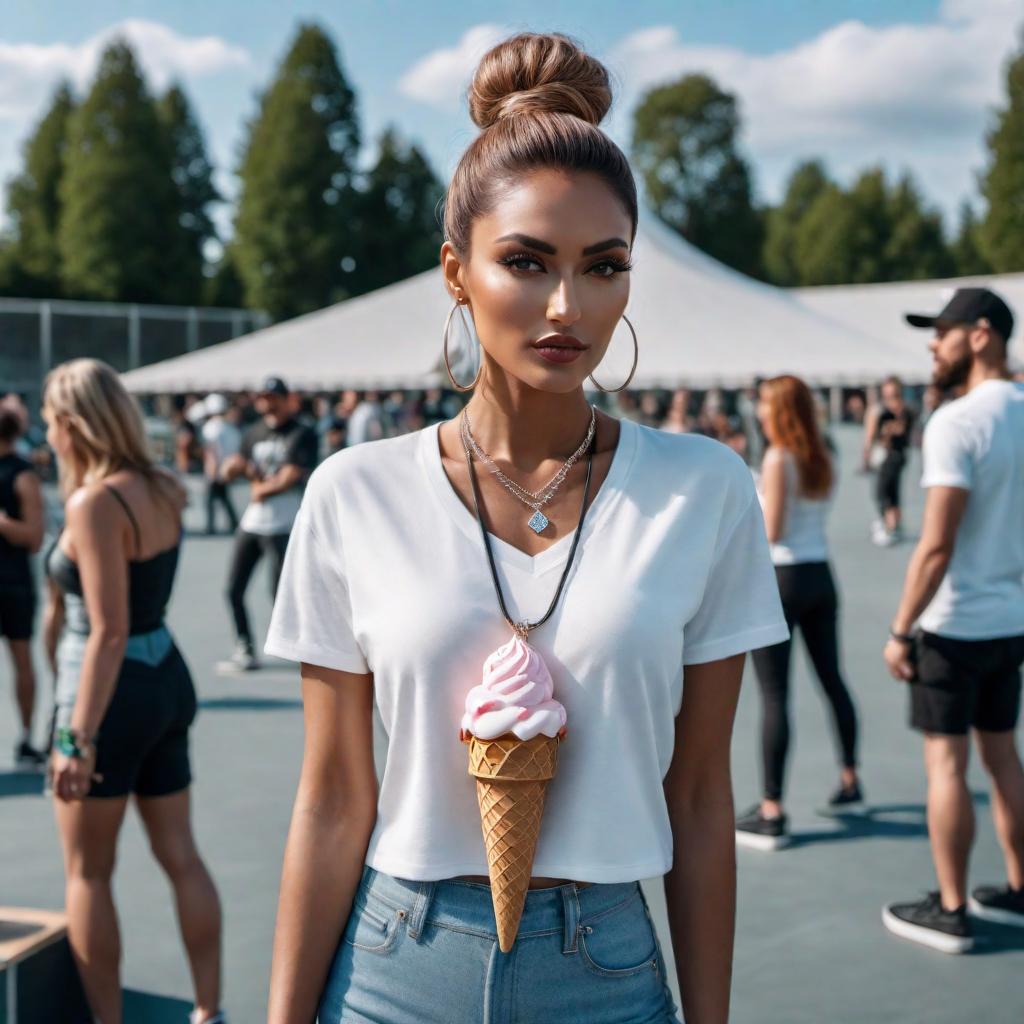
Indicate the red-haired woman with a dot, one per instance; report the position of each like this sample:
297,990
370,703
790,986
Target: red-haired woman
795,492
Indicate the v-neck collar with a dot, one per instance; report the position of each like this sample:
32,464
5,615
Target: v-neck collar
555,554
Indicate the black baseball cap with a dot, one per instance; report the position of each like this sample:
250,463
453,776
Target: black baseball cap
967,306
274,386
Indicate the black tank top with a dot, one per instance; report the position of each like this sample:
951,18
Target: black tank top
15,570
150,580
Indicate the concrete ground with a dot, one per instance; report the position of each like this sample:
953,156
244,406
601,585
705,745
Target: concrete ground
810,945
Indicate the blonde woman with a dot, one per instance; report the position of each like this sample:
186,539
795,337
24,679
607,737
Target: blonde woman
647,563
124,695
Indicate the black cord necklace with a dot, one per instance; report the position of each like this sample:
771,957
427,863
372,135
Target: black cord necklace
522,629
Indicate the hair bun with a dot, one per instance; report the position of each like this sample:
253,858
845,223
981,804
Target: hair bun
539,73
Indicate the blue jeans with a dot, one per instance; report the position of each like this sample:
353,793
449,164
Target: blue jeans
427,953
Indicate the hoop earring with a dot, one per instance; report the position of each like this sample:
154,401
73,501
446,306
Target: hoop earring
448,365
636,358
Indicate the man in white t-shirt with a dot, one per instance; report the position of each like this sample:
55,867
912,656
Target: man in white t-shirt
221,439
965,590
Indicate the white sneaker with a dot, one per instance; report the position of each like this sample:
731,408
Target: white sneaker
243,659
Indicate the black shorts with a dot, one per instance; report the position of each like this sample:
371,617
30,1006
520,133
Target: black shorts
17,611
887,483
142,745
964,683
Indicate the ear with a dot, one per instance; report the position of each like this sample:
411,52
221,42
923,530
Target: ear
452,268
981,336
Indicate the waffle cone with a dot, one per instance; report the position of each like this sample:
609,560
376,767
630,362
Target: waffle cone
511,778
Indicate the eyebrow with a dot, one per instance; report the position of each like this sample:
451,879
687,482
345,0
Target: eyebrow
536,243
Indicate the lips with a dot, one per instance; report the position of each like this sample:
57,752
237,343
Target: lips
560,341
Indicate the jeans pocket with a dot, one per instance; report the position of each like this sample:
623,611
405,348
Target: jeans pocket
620,942
372,928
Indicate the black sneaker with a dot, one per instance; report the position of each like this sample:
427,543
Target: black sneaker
845,800
27,758
1005,906
926,922
757,832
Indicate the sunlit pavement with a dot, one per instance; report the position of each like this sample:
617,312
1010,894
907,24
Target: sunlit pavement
810,944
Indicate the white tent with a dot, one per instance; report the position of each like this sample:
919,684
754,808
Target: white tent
699,323
879,308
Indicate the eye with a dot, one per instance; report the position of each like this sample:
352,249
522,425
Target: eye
518,258
611,267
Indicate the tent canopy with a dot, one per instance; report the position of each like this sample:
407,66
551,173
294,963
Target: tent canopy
699,323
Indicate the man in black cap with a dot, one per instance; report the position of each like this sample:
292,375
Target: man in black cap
964,592
277,455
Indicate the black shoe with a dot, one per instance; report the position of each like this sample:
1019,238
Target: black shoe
845,800
757,832
1005,906
948,931
28,758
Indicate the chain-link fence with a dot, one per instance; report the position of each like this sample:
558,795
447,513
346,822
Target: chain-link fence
36,335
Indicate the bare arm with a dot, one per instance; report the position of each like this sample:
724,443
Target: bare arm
773,487
53,623
870,429
283,480
943,510
332,820
700,889
26,532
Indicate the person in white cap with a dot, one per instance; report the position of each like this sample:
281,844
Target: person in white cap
221,440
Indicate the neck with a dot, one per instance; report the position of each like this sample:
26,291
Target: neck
523,427
981,372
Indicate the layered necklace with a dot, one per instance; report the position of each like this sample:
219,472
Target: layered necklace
535,500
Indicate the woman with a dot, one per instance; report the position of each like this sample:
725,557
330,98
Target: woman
887,435
124,699
21,535
795,491
388,594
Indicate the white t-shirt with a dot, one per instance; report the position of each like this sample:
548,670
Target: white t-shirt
977,443
386,573
222,439
803,539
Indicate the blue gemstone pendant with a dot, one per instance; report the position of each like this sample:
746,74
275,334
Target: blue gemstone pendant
538,521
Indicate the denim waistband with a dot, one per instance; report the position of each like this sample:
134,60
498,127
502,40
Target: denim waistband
467,906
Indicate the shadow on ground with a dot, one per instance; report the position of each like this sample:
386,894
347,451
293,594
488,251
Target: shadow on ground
146,1008
20,784
249,704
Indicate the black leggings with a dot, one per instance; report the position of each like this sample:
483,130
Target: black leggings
217,493
249,549
809,602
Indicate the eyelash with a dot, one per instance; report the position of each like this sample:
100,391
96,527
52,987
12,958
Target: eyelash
618,266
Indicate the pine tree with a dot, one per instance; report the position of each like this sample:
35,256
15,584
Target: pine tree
966,249
828,238
808,180
1002,233
684,144
916,246
119,227
295,219
34,204
192,173
397,220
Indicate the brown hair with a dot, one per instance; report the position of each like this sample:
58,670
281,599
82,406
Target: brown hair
538,100
793,422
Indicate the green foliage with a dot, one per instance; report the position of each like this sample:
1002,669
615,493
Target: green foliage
915,248
120,207
398,234
224,286
806,183
295,215
34,205
684,146
192,173
1002,233
966,247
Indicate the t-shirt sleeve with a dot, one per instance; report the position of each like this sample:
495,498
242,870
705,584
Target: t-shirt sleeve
740,609
312,616
947,454
249,439
302,449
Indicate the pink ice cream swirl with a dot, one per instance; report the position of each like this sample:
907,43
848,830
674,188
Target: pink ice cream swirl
515,696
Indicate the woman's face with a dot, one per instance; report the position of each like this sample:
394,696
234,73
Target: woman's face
58,436
547,279
764,410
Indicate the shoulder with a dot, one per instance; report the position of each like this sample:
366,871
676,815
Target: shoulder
88,507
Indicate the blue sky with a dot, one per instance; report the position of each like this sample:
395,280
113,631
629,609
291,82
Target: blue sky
908,84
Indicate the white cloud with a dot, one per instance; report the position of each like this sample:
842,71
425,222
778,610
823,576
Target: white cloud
440,78
29,72
915,95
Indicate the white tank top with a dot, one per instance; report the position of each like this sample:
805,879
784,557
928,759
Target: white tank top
803,537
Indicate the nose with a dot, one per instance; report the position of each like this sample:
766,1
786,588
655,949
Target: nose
563,305
933,344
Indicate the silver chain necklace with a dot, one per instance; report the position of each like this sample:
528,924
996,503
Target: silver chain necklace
535,500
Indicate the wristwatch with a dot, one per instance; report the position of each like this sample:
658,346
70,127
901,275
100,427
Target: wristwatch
74,743
902,638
